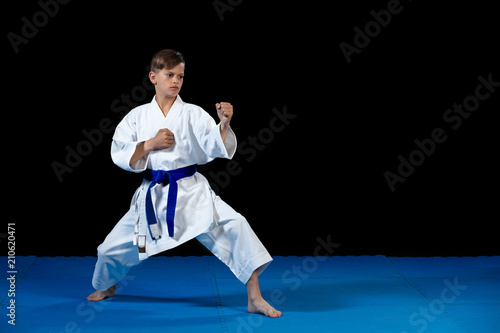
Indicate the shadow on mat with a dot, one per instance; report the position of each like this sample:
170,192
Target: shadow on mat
205,301
310,296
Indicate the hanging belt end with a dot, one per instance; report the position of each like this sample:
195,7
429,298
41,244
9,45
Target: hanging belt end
141,244
155,231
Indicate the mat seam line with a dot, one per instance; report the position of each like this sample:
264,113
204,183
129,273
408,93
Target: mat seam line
217,298
407,280
426,296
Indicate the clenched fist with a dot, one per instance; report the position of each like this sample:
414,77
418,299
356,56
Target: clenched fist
225,112
163,139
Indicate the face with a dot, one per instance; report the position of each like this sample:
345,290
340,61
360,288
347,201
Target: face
168,82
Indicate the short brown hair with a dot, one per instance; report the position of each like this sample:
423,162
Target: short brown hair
166,59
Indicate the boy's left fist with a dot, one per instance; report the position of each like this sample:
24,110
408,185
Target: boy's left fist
225,112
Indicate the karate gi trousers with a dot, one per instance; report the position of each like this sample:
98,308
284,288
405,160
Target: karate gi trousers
231,239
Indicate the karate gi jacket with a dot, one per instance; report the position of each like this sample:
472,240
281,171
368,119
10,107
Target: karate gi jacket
197,141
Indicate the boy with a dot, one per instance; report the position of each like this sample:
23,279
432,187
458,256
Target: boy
165,140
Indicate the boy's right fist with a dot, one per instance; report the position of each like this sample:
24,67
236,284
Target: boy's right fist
163,139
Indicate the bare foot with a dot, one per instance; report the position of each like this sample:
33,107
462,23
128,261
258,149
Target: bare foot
99,295
256,304
262,307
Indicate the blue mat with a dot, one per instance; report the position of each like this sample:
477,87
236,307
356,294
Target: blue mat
185,294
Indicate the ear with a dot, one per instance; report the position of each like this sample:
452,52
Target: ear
152,77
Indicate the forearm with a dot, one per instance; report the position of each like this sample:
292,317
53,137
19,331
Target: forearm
224,128
141,150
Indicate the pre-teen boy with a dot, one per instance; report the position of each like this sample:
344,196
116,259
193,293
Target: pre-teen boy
165,140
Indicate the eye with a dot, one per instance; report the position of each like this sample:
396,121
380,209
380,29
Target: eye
181,77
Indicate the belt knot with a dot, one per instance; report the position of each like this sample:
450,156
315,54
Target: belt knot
164,177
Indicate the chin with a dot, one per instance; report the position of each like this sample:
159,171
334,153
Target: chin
171,94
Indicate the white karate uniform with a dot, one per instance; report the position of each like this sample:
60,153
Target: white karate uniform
199,211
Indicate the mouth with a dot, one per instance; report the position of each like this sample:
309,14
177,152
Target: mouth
174,88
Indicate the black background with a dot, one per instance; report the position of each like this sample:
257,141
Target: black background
322,176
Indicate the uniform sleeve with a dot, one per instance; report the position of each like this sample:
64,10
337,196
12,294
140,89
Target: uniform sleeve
208,136
124,144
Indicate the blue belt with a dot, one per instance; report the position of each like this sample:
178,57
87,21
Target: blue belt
164,177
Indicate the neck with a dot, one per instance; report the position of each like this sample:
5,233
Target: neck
165,103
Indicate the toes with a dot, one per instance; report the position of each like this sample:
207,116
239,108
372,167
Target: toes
276,314
96,296
273,313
